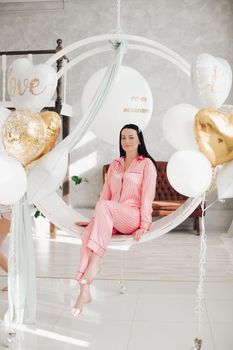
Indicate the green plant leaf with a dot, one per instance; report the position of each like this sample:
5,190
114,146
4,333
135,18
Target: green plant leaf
38,213
77,179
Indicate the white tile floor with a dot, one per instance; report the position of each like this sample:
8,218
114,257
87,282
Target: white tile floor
155,313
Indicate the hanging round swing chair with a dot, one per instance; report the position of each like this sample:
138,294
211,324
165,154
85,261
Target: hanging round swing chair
41,190
53,207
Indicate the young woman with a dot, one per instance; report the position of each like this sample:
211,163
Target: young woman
124,206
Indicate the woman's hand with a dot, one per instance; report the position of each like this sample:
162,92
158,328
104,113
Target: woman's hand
139,233
82,223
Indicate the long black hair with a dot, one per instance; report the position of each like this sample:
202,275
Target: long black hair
142,151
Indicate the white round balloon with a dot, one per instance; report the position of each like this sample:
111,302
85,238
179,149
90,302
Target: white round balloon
178,126
129,101
212,79
189,173
228,109
225,181
13,180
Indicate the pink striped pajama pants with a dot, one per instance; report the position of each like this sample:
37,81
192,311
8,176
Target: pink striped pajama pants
109,217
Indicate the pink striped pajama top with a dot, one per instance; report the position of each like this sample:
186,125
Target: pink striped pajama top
134,187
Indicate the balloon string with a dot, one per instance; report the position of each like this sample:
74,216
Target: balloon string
211,189
202,261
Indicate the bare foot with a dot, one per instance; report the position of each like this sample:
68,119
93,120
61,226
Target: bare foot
83,298
5,289
82,223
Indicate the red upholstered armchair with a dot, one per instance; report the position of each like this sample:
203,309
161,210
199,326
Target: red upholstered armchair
166,198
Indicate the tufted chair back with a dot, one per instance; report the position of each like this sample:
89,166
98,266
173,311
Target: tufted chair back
105,170
164,190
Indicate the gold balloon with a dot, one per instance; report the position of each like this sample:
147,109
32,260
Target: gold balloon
52,122
24,135
214,135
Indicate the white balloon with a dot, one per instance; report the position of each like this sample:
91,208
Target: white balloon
189,173
4,113
212,79
178,126
30,87
129,101
226,78
47,175
228,109
13,180
225,181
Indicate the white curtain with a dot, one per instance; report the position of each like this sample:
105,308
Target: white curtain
21,276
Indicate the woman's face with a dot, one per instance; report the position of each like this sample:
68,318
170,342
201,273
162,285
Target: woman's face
129,140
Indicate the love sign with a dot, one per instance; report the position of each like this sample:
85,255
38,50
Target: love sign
30,86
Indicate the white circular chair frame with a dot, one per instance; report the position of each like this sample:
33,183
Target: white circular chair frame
55,209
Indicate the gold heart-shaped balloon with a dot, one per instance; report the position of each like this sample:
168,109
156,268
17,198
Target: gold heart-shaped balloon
24,135
52,122
214,135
